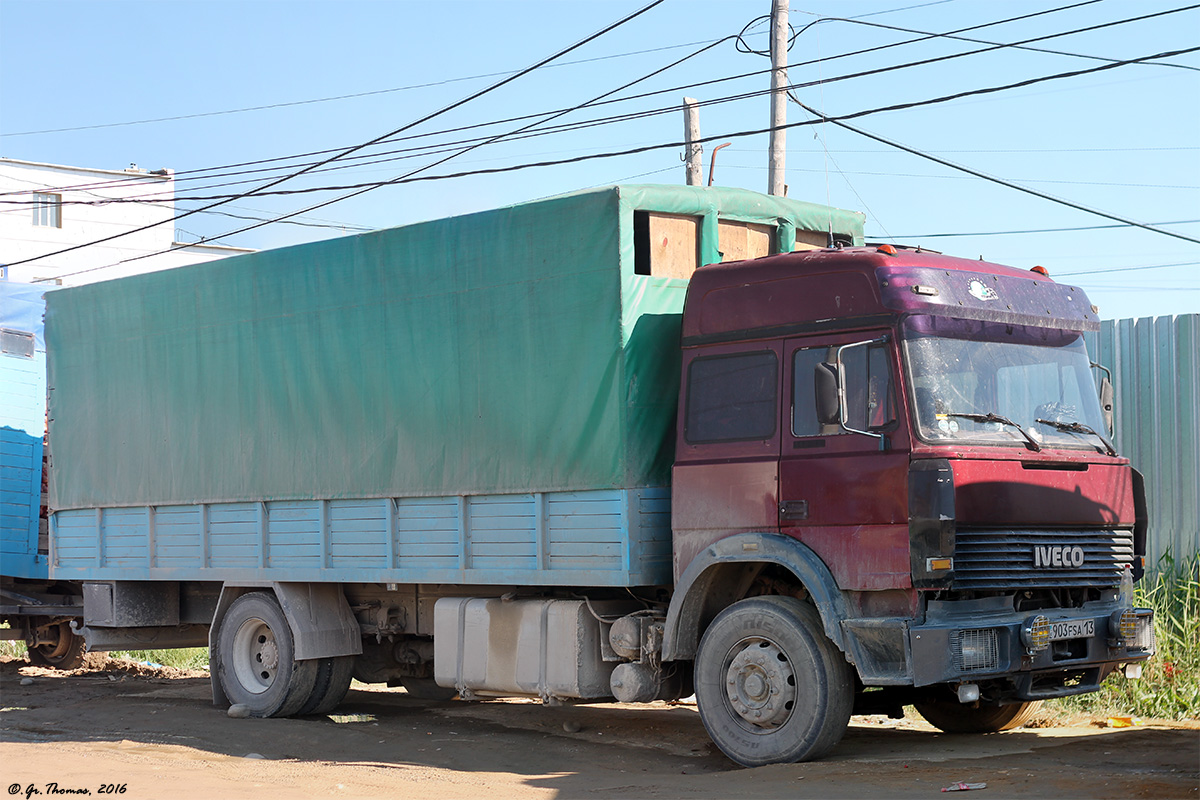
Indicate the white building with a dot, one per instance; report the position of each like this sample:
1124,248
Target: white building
46,208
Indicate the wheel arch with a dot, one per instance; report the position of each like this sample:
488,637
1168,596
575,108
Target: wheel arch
723,572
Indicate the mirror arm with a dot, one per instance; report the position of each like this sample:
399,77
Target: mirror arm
841,389
1106,396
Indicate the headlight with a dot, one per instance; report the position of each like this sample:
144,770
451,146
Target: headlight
1123,626
1144,638
975,650
1035,634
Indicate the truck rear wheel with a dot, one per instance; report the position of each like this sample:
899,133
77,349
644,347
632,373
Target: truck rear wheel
257,665
770,686
954,717
333,681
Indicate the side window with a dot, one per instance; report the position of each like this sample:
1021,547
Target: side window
804,404
732,398
870,391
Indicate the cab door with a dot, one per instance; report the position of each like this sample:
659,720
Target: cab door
726,475
841,493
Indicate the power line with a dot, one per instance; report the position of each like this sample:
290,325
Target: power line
1014,151
104,200
1126,269
820,119
331,226
354,95
355,148
19,206
1015,46
1025,150
838,121
432,84
701,84
905,8
404,179
968,177
495,138
374,158
1098,288
1040,230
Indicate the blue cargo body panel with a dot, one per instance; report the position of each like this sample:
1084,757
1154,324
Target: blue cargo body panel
20,504
22,427
610,537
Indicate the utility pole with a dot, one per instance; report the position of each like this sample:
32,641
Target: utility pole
779,38
691,136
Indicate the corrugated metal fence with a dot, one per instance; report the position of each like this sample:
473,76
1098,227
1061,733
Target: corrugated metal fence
1155,363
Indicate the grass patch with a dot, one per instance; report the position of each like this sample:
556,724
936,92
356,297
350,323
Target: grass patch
1170,684
181,658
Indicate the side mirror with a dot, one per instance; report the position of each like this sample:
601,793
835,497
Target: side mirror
825,383
1106,397
1106,403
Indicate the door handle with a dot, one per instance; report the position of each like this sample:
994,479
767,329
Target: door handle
793,509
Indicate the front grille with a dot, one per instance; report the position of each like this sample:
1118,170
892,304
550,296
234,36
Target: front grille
989,559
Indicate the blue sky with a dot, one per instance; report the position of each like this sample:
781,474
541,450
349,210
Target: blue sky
1125,140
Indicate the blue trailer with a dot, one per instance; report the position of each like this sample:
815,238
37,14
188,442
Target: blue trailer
37,609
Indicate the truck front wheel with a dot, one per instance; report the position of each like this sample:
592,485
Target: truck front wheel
770,686
257,665
954,717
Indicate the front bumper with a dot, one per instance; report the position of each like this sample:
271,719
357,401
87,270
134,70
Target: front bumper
977,641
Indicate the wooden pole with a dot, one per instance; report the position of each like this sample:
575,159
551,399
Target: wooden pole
779,38
691,135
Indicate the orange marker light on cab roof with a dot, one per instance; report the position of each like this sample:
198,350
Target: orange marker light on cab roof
1040,271
888,249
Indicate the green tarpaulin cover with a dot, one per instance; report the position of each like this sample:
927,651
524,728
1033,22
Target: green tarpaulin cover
512,350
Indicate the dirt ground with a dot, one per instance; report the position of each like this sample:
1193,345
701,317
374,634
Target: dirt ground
145,732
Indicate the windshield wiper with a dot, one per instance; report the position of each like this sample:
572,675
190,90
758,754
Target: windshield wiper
1079,427
1030,442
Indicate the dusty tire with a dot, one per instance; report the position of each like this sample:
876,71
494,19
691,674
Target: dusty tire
332,683
427,689
256,659
954,717
770,686
68,653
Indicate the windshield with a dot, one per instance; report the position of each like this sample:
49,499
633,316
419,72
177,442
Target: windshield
963,370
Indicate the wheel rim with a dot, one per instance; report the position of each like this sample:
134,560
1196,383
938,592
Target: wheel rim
55,652
760,684
255,656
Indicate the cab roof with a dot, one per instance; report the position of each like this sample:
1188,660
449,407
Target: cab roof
852,287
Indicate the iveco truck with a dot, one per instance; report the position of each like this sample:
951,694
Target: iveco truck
636,443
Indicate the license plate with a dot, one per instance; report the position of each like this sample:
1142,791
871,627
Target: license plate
1072,629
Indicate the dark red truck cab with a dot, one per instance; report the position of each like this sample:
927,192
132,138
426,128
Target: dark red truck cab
912,446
